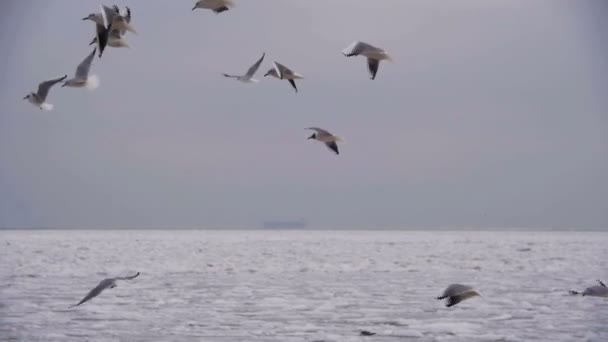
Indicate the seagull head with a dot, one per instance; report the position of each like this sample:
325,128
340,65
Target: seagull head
271,72
196,5
89,17
313,136
27,96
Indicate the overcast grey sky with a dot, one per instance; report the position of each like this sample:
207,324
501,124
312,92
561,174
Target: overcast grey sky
494,114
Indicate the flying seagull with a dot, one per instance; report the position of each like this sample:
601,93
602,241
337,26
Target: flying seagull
282,72
82,77
104,284
595,291
456,293
374,55
39,98
217,6
325,137
111,16
248,77
366,333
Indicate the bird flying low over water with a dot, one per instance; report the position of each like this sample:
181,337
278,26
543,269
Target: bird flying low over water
82,77
282,72
38,98
104,284
374,55
217,6
456,293
248,77
600,290
325,137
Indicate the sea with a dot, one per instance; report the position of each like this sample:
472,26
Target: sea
299,285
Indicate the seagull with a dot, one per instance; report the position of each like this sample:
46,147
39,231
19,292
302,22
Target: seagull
39,98
456,293
282,72
374,55
111,16
325,137
366,333
104,284
217,6
595,291
82,77
248,77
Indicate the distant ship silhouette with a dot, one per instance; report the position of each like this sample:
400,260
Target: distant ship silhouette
285,224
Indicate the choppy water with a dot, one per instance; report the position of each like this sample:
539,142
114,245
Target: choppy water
300,286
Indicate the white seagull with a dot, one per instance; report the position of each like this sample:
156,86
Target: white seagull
217,6
374,55
456,293
325,137
248,77
104,284
82,77
38,98
111,16
594,291
282,72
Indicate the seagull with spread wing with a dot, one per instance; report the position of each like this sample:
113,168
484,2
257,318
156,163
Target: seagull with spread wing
284,73
217,6
600,290
82,77
38,98
456,293
325,137
374,55
104,284
248,77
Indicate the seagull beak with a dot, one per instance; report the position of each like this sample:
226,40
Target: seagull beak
193,8
63,85
87,18
25,98
266,74
311,137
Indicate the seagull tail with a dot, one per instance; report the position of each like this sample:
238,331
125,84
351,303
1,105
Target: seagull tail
92,82
130,28
46,107
340,139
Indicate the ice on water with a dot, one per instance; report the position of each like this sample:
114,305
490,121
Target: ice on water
300,286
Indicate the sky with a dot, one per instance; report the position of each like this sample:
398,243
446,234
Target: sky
493,114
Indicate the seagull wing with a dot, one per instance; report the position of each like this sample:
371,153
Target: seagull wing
44,87
252,70
320,131
220,9
82,71
102,38
281,70
108,14
373,65
332,146
293,84
128,16
127,278
104,284
356,48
